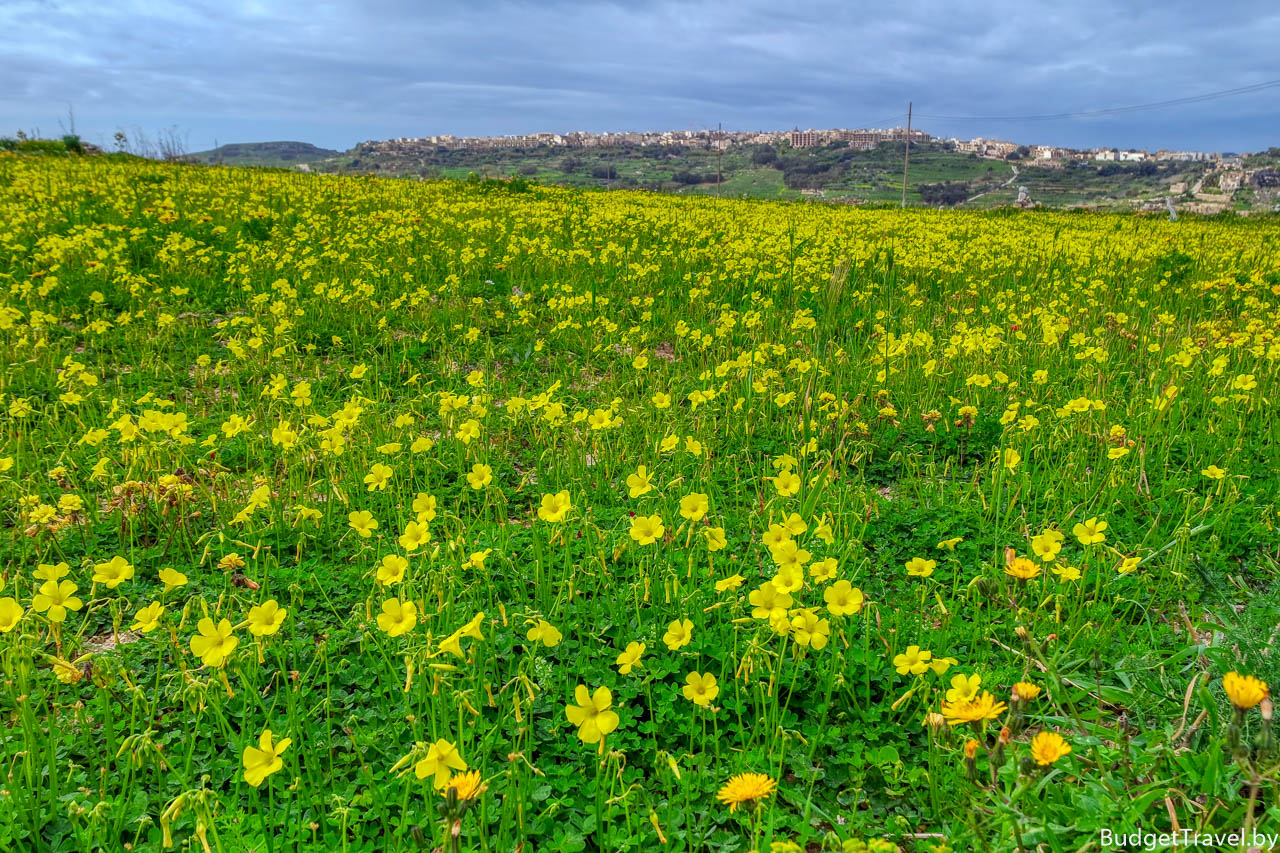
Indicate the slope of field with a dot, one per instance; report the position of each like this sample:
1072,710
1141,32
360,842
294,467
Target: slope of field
358,514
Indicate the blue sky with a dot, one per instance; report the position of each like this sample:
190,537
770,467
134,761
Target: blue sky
336,73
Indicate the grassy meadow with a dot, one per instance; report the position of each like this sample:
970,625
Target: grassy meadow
353,514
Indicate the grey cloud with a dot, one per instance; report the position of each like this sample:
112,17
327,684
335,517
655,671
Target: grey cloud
336,73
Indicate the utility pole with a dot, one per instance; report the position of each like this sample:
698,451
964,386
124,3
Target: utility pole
719,153
906,159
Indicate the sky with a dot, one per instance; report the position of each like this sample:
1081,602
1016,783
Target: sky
337,73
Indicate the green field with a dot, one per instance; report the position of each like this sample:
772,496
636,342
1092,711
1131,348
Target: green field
354,514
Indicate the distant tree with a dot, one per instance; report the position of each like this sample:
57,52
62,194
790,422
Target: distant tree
946,193
689,177
765,155
604,173
571,164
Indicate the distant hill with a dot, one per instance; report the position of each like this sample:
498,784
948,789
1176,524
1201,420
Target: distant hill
263,154
833,173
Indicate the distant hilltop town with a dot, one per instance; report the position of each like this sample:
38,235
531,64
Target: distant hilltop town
862,139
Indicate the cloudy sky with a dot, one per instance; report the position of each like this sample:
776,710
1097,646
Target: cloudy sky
336,73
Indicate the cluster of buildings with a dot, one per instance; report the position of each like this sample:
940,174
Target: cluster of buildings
576,139
1048,154
861,139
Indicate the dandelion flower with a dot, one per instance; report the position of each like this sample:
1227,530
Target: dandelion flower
745,788
1048,747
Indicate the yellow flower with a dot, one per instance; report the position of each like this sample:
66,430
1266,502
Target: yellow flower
231,561
794,524
453,643
1010,459
555,507
630,657
391,570
114,572
1090,532
266,618
963,688
1047,545
469,430
397,617
788,554
775,536
824,570
679,634
920,567
809,630
1022,569
172,579
1128,564
982,707
1047,747
1026,690
731,582
378,477
700,689
648,530
414,537
843,599
1244,691
638,483
47,572
441,758
1213,472
147,619
1065,572
479,476
545,633
941,665
745,788
787,483
56,597
66,671
215,643
467,786
693,506
425,506
263,760
768,601
10,614
914,661
592,714
715,538
363,523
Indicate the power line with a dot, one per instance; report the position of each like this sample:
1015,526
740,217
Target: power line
1154,105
